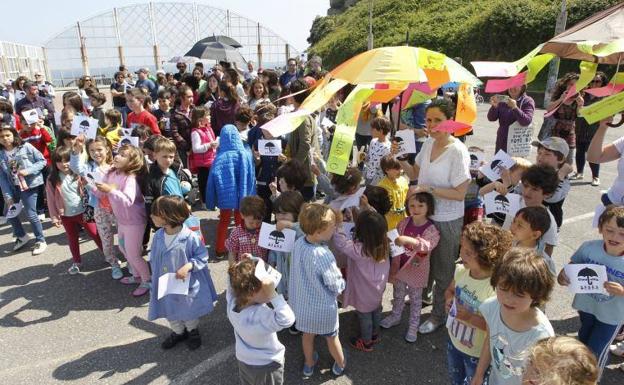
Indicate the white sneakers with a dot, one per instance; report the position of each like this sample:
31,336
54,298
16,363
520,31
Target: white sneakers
39,248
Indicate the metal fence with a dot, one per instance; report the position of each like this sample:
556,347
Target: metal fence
20,59
149,35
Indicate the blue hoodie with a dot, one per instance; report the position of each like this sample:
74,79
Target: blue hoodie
232,175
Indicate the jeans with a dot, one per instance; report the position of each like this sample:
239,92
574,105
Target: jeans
461,366
597,336
581,151
369,324
29,200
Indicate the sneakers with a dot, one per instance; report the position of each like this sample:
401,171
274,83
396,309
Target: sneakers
412,334
576,176
428,327
143,289
293,331
41,217
617,349
308,371
39,248
336,369
116,272
360,344
595,182
173,339
194,339
131,280
20,242
390,321
74,269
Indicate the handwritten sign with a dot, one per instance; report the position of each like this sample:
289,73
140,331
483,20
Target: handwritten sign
498,203
270,147
273,239
493,170
82,125
586,278
31,116
169,284
603,109
406,141
519,140
264,271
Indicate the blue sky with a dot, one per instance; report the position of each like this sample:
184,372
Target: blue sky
290,19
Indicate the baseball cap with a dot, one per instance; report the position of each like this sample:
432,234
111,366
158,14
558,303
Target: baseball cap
553,144
144,70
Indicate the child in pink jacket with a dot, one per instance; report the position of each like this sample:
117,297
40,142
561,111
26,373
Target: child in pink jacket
367,273
122,188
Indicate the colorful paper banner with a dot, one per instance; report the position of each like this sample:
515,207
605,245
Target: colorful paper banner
466,105
608,90
603,109
500,85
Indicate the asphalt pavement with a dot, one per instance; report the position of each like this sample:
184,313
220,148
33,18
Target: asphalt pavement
87,329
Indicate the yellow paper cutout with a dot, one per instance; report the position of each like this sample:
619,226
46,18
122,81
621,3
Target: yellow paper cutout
466,105
321,95
588,72
536,64
603,109
431,60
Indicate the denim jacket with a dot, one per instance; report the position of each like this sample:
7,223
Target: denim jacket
29,159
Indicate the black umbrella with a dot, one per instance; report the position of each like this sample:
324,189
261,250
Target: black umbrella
588,274
221,39
217,51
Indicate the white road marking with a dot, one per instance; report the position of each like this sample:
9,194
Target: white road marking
577,218
204,366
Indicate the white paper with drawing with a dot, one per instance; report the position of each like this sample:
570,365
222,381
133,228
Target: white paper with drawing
504,204
82,125
586,278
264,271
406,141
493,170
270,147
169,284
273,239
395,250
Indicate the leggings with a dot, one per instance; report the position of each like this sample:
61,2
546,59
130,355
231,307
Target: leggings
202,180
105,221
72,226
131,245
224,222
581,151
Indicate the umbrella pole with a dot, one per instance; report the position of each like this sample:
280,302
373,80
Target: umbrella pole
395,126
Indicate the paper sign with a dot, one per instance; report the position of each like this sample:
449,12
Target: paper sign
395,250
273,239
493,170
31,116
265,271
349,229
504,69
353,200
499,85
477,156
82,125
586,278
451,126
603,109
519,140
322,93
126,131
270,147
286,123
57,118
498,203
169,284
452,314
14,210
326,123
406,142
94,177
466,105
129,140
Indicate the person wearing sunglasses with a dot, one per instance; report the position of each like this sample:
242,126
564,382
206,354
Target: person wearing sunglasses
181,66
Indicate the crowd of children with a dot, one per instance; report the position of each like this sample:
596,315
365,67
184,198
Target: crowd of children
344,254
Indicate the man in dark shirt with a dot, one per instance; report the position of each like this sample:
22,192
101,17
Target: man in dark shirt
181,66
118,90
289,75
34,101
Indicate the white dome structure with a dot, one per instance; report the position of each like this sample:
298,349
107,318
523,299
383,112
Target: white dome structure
150,34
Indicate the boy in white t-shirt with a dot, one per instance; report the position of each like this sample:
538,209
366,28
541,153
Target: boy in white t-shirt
514,321
538,183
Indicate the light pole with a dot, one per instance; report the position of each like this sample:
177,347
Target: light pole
553,69
370,24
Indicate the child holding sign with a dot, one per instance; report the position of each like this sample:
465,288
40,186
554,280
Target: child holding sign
177,249
410,271
482,246
259,352
245,236
367,273
602,315
397,187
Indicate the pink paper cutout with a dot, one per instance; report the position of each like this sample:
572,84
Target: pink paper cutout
450,126
500,85
608,90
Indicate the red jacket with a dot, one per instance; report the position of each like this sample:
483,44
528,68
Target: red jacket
39,138
146,118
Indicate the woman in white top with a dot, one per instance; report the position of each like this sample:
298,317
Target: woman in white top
612,151
258,93
442,169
